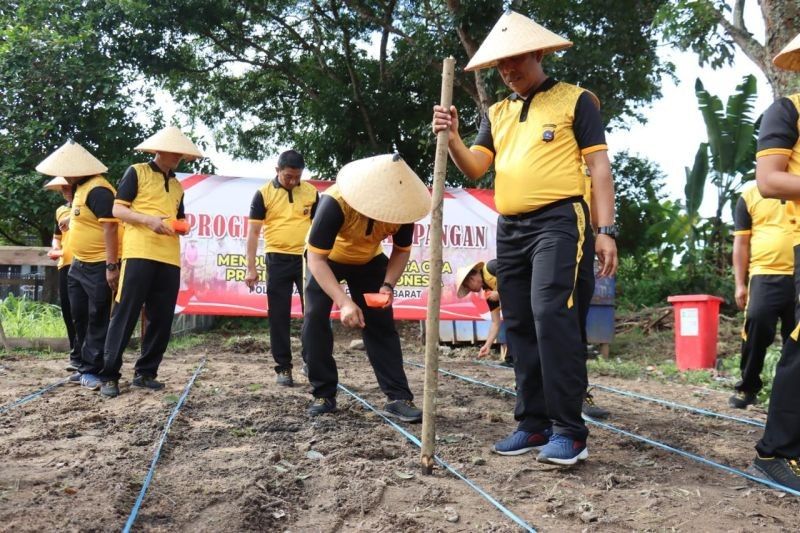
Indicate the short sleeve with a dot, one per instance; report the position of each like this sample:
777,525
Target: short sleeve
484,142
742,221
327,222
181,209
588,125
128,187
404,236
778,133
258,211
101,201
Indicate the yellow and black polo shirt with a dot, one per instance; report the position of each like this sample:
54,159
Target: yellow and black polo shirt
537,145
779,135
145,189
767,223
346,236
285,215
489,273
63,212
92,204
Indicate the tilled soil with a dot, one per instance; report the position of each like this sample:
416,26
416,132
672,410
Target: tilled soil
242,455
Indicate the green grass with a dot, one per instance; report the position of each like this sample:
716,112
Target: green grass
243,432
730,366
254,387
25,318
187,341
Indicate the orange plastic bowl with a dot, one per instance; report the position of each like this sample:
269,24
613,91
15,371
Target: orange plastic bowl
376,299
180,226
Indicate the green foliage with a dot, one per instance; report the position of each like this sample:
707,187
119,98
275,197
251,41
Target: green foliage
58,82
25,318
339,81
644,282
692,25
641,216
730,366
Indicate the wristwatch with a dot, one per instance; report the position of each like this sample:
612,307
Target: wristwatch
111,267
612,231
387,284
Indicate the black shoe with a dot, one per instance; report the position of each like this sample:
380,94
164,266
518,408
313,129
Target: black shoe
591,409
507,363
322,406
71,367
782,471
146,382
110,389
284,378
74,379
741,399
404,410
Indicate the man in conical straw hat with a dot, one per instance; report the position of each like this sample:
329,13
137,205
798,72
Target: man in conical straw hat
150,203
778,176
536,139
93,240
373,198
479,277
60,252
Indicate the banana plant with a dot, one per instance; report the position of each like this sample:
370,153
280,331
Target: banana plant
731,150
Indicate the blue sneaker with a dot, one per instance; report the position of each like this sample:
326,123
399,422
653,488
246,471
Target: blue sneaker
91,381
562,450
521,442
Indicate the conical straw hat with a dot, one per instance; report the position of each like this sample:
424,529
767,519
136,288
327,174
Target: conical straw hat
461,276
512,35
71,160
170,139
789,57
55,184
384,188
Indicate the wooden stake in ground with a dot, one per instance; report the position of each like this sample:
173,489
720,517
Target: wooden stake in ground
435,281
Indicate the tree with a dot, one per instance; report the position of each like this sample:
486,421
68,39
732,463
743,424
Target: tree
713,29
342,80
57,82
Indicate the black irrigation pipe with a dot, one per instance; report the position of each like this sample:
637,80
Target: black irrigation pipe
700,459
666,403
32,396
157,454
414,440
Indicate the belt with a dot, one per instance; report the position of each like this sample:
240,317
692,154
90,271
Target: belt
544,209
87,263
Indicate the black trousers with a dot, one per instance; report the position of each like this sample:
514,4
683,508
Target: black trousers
585,285
782,434
155,286
66,313
284,272
769,298
797,283
90,303
380,336
539,255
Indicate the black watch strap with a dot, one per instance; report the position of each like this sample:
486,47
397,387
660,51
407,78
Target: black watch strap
387,284
611,231
111,267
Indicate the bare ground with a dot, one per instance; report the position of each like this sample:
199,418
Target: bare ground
243,456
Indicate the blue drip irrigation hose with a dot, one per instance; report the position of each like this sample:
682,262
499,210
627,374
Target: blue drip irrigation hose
31,396
769,483
519,521
667,403
157,454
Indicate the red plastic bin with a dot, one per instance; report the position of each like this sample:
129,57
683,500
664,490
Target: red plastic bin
696,329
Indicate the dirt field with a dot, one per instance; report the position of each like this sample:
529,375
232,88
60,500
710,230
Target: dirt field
243,456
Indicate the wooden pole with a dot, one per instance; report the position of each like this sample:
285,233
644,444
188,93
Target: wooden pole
435,282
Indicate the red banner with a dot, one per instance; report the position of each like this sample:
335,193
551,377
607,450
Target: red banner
214,253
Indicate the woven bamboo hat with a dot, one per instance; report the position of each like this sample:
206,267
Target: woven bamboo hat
71,160
170,139
384,188
512,35
461,276
789,57
56,183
